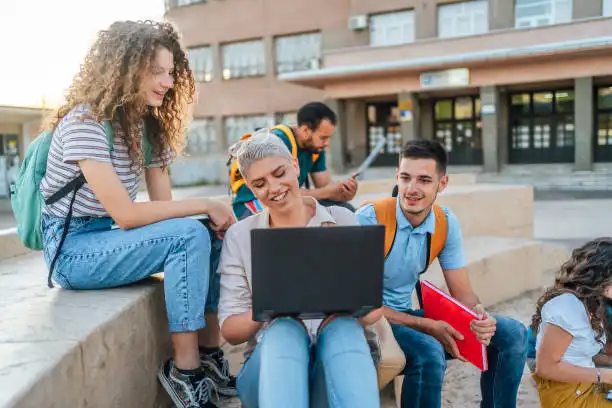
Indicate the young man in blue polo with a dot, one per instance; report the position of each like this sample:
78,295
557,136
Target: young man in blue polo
420,231
307,141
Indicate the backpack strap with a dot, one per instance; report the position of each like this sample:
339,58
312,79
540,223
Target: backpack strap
289,133
435,244
385,214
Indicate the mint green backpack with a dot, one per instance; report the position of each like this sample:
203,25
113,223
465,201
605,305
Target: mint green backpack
27,200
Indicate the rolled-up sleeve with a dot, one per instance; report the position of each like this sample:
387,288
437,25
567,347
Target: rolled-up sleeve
235,295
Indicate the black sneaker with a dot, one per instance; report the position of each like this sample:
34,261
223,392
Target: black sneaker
216,368
186,391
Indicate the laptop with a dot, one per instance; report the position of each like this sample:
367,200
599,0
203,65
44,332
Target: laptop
311,272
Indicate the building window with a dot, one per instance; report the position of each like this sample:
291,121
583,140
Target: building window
462,19
201,63
458,127
286,118
201,137
534,13
542,127
243,59
392,28
298,52
237,126
607,8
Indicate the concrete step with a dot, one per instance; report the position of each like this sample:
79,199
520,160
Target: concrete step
484,209
62,348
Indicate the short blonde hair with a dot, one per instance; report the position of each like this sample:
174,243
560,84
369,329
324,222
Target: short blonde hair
262,144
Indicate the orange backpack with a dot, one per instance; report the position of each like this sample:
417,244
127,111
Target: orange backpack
385,214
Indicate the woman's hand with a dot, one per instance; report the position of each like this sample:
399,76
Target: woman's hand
221,215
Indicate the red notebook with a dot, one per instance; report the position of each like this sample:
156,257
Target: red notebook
439,305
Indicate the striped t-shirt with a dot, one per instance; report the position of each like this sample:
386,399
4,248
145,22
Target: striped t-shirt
79,137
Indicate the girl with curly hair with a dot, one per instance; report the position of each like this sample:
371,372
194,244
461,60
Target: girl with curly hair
123,118
571,325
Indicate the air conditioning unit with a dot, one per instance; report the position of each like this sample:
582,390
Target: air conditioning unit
359,22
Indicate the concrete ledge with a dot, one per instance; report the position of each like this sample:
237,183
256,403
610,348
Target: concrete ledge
78,348
11,244
485,209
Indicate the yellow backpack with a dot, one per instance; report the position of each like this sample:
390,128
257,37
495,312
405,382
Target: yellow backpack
236,180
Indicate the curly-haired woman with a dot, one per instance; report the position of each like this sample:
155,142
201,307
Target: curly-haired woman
571,325
136,78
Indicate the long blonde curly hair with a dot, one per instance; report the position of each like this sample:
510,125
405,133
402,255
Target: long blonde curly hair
109,81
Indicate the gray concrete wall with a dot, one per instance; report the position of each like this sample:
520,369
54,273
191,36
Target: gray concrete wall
489,97
410,128
337,148
427,122
356,128
583,106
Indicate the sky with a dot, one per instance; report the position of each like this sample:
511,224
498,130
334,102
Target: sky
42,42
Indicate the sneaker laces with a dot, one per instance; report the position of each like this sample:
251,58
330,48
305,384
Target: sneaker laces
223,363
203,390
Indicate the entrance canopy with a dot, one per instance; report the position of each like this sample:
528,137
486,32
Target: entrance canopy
14,115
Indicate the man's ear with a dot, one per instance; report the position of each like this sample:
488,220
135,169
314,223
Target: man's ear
443,183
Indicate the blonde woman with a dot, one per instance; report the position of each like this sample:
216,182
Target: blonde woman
290,363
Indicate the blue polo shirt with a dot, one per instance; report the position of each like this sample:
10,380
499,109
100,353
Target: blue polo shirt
408,255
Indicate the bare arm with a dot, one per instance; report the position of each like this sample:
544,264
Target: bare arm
158,184
555,341
325,188
459,286
603,360
238,329
405,319
115,199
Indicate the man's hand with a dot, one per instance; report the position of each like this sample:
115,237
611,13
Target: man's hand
349,188
445,334
483,329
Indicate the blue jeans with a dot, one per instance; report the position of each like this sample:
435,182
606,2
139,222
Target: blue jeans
94,256
426,365
285,371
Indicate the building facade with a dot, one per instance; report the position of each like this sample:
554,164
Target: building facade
498,82
18,127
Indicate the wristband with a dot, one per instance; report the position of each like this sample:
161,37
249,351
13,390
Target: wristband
598,376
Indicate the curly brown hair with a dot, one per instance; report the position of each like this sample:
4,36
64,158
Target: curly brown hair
586,274
109,81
